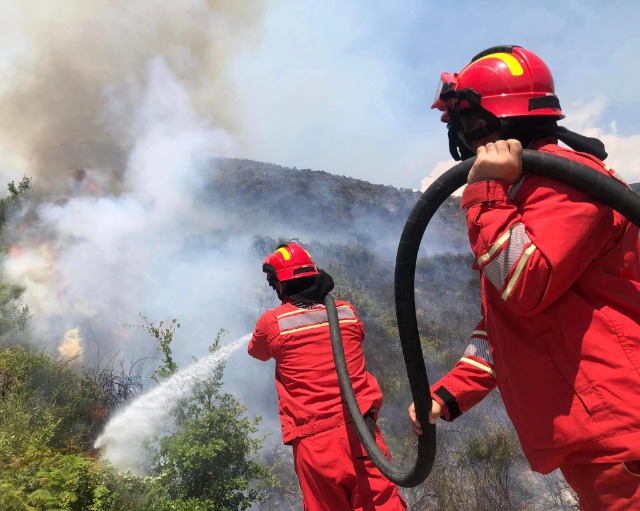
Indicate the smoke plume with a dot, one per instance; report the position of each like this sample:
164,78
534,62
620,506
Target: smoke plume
76,73
115,110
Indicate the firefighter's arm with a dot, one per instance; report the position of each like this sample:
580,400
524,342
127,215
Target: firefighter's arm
261,340
459,390
532,258
468,383
463,387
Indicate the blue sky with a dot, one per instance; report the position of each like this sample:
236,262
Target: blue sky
346,86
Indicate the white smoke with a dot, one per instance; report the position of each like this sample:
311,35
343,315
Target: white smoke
108,257
75,73
116,110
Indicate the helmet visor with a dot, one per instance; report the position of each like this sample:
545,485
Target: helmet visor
446,85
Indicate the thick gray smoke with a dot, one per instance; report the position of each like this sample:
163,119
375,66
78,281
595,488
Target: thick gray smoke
115,109
75,73
90,259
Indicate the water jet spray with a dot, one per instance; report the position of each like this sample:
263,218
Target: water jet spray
129,428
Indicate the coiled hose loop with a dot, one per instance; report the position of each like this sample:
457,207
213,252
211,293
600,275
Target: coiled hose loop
600,187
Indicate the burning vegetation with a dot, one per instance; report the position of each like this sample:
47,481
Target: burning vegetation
82,400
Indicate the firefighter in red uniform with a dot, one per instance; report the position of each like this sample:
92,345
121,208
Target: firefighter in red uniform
560,328
334,471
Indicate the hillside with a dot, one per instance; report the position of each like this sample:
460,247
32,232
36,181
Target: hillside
337,208
265,196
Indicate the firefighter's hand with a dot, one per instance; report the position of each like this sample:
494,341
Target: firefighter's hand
497,160
436,411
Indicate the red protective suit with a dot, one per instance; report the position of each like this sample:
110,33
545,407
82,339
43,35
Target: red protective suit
334,472
560,334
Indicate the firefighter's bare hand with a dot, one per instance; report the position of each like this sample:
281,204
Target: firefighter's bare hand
436,411
497,160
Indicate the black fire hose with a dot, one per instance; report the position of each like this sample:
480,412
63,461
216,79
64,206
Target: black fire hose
600,187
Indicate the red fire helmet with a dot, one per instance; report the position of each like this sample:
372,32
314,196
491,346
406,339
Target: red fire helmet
290,261
508,81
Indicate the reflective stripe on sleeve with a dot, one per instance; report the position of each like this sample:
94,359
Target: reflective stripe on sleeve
510,253
494,248
305,319
477,364
519,268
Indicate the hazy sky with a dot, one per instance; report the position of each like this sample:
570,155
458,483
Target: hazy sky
338,86
346,86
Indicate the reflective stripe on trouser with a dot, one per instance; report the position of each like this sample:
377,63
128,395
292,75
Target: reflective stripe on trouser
336,474
605,486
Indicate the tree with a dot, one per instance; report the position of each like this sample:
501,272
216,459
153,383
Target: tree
45,415
211,458
17,194
13,314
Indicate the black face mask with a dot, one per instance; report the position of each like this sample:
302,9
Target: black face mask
460,140
458,149
525,129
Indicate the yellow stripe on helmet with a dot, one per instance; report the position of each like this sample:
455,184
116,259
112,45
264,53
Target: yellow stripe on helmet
285,253
511,62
